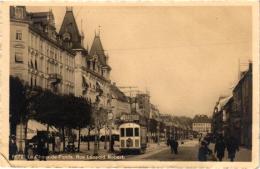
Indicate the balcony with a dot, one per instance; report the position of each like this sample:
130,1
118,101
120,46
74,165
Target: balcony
55,78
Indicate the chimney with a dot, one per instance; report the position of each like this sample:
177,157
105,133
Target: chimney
250,66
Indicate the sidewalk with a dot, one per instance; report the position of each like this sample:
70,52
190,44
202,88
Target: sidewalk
242,155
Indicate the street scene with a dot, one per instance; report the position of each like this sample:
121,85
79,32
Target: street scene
148,83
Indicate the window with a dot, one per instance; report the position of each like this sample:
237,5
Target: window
31,81
136,131
18,35
94,65
129,132
122,132
18,58
88,64
36,67
19,12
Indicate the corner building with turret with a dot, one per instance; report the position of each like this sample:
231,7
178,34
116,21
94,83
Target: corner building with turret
57,60
92,72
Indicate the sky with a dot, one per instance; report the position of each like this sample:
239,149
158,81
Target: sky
185,56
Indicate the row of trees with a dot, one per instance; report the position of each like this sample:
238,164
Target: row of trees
60,111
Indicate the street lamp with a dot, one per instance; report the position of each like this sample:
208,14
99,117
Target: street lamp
165,134
110,119
158,133
106,126
96,112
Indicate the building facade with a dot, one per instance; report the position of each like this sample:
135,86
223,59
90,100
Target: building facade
232,115
43,57
143,104
55,60
201,124
92,72
119,103
242,94
37,55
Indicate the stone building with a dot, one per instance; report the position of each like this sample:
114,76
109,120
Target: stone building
119,103
143,104
92,72
242,95
201,124
37,54
232,115
219,115
57,60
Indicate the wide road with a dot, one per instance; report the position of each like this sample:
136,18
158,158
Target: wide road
187,152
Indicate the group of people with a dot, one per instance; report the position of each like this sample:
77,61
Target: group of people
221,144
36,147
173,143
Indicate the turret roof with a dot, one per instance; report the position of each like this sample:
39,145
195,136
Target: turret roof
97,49
69,25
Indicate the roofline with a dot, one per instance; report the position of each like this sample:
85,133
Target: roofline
96,74
242,78
50,40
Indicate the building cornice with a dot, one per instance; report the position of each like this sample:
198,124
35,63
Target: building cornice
95,74
40,33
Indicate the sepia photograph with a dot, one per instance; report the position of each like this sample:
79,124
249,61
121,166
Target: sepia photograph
131,83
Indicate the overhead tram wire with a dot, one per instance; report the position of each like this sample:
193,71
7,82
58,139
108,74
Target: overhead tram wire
177,46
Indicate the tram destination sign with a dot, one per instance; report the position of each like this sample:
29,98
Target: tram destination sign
130,117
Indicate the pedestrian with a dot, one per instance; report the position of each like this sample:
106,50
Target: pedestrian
53,142
220,148
171,144
200,137
175,146
57,144
168,141
41,150
112,144
204,151
232,147
207,139
30,153
12,147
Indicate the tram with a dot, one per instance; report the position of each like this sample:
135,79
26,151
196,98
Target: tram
133,134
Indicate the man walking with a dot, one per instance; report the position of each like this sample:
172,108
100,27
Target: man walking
232,147
12,147
220,148
174,146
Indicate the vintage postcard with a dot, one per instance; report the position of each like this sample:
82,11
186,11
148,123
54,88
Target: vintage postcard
133,84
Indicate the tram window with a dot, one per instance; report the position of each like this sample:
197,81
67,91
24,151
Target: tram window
122,132
129,132
136,131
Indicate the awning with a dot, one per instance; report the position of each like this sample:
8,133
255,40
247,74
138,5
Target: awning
34,126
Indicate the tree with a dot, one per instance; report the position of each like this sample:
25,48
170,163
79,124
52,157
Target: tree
63,111
21,103
78,113
17,102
